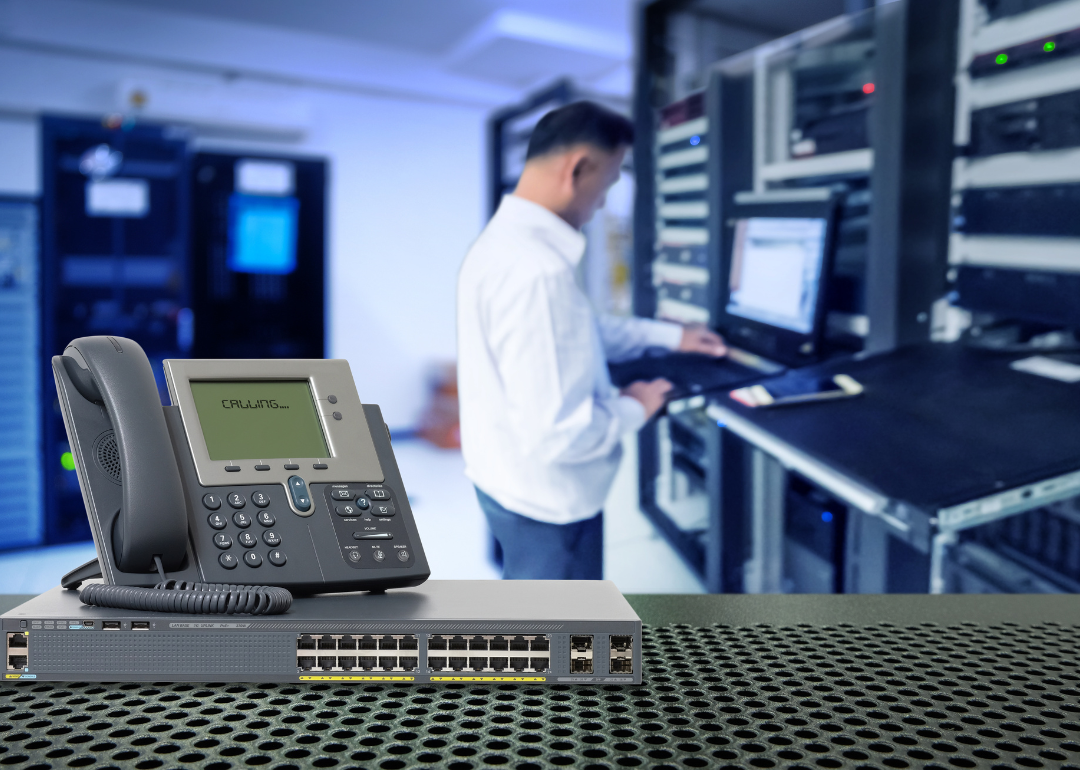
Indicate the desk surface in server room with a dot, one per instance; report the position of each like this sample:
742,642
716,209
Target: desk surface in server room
730,681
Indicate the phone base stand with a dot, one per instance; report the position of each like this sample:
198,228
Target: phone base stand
88,571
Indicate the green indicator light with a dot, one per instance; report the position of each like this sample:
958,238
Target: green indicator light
67,460
1001,58
1049,46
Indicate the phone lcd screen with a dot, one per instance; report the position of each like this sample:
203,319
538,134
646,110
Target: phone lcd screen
259,420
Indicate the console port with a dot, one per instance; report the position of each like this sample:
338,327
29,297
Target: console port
478,664
499,643
539,664
388,643
408,663
327,642
581,665
499,664
622,666
110,625
16,640
140,625
408,643
458,664
346,643
305,642
347,663
306,662
88,623
367,662
519,664
436,643
369,643
540,644
478,643
327,663
519,644
436,664
387,662
458,643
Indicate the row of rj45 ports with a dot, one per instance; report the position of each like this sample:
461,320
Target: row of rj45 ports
476,663
18,651
492,642
349,642
356,663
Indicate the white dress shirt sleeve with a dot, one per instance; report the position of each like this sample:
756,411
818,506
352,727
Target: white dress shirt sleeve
546,357
625,338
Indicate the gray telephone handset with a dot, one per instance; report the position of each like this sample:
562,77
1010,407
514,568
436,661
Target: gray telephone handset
209,498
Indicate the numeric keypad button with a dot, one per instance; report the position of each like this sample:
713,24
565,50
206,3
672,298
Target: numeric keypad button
252,559
261,499
241,520
266,518
222,541
270,537
217,521
277,558
248,540
236,500
211,501
228,561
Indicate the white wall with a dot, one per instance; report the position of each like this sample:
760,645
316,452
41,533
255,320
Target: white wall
405,201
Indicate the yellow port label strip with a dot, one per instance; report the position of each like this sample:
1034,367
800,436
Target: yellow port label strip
488,678
333,678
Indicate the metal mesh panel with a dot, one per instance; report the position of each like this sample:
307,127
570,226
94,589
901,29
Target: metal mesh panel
882,696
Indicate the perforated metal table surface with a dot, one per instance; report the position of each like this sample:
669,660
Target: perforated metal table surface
730,681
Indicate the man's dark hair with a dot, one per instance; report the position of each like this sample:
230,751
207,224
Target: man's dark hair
580,123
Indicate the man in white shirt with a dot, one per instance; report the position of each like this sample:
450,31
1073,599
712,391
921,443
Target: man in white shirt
541,423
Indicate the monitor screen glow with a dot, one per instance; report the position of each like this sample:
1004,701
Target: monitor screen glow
775,271
262,234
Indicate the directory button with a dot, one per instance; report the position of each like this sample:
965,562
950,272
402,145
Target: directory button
379,494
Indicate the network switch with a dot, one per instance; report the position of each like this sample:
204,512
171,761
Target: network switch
1039,124
536,631
1039,210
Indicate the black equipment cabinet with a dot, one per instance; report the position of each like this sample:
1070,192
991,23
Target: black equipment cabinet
244,310
114,261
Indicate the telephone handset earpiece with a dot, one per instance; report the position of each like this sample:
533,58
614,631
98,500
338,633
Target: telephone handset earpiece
152,521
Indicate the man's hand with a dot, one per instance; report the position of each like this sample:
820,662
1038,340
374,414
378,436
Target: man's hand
649,394
699,338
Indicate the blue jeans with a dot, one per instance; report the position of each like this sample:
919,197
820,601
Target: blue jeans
537,550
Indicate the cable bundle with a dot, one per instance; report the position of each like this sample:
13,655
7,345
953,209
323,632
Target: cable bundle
190,598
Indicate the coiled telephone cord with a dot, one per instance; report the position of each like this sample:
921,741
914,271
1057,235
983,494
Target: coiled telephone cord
190,598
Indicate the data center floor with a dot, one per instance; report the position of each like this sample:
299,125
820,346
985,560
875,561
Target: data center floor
885,696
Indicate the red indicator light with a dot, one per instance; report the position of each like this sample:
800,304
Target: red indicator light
868,88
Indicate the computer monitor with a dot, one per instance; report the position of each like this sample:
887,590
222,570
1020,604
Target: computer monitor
777,262
262,234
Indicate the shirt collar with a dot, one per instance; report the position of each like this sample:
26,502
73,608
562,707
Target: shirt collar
570,243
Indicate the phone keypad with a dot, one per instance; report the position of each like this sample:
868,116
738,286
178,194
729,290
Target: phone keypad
249,541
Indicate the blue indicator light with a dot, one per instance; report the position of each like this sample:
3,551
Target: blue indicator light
695,140
826,516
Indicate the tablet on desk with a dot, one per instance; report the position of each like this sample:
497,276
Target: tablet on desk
798,390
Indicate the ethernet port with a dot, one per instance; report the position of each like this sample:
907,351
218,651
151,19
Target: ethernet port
368,642
478,643
17,661
519,644
499,664
367,662
436,643
347,663
327,642
17,640
519,664
478,664
388,662
539,664
306,662
388,643
327,663
408,643
346,643
436,664
458,663
305,642
458,643
581,665
622,666
581,643
408,663
499,643
621,643
540,644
